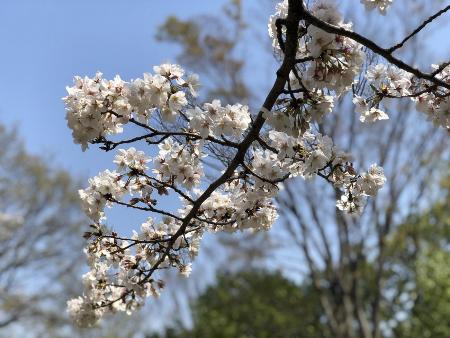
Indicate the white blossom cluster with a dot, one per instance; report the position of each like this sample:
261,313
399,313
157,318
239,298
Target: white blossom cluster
281,11
310,107
436,105
108,184
239,206
336,59
388,82
381,5
118,279
215,120
125,270
97,107
385,82
180,162
315,154
88,103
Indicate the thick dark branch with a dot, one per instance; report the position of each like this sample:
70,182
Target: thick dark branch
299,79
265,145
441,68
305,59
292,22
418,29
329,28
279,23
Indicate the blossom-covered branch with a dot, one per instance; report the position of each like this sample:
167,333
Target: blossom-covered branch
322,58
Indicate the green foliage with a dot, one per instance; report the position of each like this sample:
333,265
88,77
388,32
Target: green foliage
254,304
425,251
430,314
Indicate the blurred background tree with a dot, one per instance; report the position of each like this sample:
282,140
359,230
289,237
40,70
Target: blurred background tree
253,303
41,227
39,237
209,45
258,303
422,246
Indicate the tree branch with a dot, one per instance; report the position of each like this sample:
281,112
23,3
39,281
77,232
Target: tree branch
418,29
385,53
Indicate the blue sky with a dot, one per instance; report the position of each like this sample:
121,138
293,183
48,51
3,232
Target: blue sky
47,42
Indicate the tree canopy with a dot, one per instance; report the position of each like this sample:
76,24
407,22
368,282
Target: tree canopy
254,303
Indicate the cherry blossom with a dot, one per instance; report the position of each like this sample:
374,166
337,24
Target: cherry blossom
381,5
255,151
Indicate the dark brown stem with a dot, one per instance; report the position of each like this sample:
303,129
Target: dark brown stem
418,29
